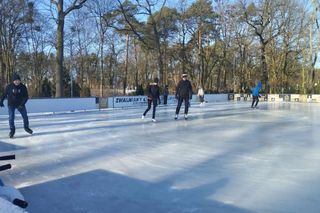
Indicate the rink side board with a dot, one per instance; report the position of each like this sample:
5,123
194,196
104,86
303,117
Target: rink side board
53,105
132,101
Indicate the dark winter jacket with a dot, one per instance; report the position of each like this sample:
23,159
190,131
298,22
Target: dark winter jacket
153,92
184,89
166,92
16,95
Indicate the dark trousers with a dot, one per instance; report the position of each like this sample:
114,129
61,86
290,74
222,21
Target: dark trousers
186,105
23,112
165,99
201,97
155,103
255,99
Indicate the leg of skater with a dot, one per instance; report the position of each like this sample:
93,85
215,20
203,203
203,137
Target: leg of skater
147,110
11,110
180,100
155,103
186,108
257,101
23,112
253,100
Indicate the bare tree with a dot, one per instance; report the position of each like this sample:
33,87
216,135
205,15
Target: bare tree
61,14
153,40
13,19
262,17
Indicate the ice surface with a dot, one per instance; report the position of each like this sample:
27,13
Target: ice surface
226,158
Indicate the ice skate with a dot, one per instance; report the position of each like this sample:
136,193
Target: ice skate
12,131
28,130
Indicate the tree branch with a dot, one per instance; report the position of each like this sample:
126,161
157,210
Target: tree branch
130,24
54,2
74,6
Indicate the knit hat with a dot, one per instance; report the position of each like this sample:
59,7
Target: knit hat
16,77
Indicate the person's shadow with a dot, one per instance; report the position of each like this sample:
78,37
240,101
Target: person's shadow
102,191
7,147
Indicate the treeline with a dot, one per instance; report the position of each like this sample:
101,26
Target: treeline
104,47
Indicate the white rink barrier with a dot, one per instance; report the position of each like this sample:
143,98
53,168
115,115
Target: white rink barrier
315,98
295,98
274,98
281,98
131,101
247,97
53,105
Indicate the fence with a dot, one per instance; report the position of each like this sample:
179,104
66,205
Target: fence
281,98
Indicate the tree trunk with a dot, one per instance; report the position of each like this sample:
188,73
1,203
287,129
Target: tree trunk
60,40
136,78
126,65
59,72
101,63
218,78
160,63
265,76
199,56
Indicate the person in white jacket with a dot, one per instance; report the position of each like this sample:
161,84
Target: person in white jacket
201,95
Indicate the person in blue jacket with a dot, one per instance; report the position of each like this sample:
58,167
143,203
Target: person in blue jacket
255,94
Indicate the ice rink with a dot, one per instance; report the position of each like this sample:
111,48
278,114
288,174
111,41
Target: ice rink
226,158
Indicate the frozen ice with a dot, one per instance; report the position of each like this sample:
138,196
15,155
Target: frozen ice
226,158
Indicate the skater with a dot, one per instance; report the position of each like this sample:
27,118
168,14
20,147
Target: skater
255,94
153,98
17,95
183,93
165,95
201,96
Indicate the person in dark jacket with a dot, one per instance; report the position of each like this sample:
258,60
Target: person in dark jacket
153,98
183,93
255,94
165,95
17,95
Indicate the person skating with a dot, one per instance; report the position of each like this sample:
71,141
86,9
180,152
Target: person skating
255,94
165,95
153,98
183,93
17,95
201,95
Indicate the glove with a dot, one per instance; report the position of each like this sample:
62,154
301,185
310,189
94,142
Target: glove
20,107
1,104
